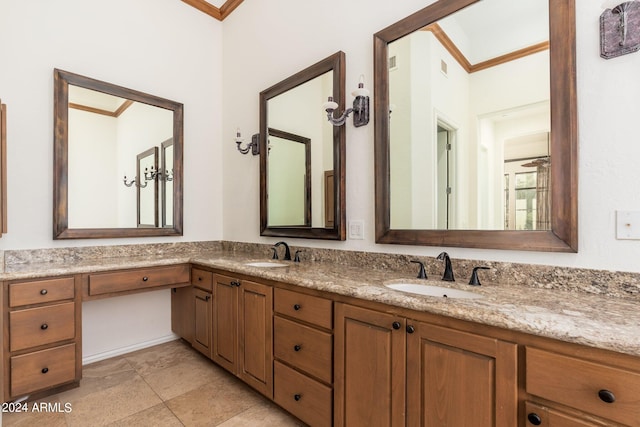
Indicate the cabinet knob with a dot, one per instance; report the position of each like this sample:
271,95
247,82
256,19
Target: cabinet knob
606,396
297,397
44,292
396,325
410,329
199,279
145,278
235,283
297,347
45,370
534,419
44,326
297,307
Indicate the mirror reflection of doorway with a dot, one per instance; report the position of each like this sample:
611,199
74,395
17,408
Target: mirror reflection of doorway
445,176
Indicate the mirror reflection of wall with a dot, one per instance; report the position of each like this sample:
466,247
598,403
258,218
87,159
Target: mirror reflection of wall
460,88
297,112
105,135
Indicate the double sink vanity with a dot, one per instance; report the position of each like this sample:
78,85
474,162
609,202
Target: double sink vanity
332,344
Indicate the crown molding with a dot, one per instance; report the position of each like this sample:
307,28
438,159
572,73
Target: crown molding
217,13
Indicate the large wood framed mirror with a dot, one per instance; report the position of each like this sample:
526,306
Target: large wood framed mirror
476,127
100,182
299,148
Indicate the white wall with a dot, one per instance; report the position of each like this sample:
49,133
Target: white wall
269,50
161,47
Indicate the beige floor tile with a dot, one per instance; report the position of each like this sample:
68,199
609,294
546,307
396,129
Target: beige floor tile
214,403
263,415
100,376
49,417
183,377
153,359
156,416
112,404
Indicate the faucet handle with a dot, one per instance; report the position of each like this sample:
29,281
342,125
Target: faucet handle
275,252
296,257
474,281
422,274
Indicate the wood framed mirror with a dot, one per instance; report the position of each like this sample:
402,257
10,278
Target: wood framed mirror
99,130
292,119
440,174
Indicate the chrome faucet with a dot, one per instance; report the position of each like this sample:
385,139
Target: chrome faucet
448,271
287,251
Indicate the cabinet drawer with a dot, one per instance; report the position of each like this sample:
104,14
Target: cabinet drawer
305,348
42,325
305,398
202,279
41,291
315,310
579,384
120,281
537,415
42,369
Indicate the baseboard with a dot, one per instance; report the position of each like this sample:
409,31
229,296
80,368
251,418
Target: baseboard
128,349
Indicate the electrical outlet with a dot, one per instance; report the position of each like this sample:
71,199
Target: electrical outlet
628,225
356,230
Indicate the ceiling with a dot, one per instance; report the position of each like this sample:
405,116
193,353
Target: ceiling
218,9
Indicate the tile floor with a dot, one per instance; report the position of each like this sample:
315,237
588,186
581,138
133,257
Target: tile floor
166,385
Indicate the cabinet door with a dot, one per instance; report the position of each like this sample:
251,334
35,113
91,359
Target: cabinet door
255,336
369,387
225,314
456,378
182,320
202,327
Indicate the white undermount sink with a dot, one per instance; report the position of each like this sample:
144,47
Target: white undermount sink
433,291
265,264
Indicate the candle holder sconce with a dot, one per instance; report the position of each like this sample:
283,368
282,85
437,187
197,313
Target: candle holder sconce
620,30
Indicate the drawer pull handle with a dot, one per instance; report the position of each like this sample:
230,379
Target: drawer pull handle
297,347
534,419
44,326
145,278
606,396
297,397
297,307
396,325
44,292
45,370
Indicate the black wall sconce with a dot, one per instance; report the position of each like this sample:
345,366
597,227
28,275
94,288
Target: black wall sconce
620,30
253,146
360,108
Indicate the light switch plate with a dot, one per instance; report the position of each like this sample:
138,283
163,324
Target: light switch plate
628,225
356,230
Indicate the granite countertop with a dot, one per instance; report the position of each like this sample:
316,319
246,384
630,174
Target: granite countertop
593,320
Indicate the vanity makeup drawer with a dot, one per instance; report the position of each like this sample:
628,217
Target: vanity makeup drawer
310,309
41,291
42,369
141,278
202,279
33,327
595,388
309,400
304,348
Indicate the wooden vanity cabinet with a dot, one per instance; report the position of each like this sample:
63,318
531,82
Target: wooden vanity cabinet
202,282
182,309
303,351
42,335
396,371
243,330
